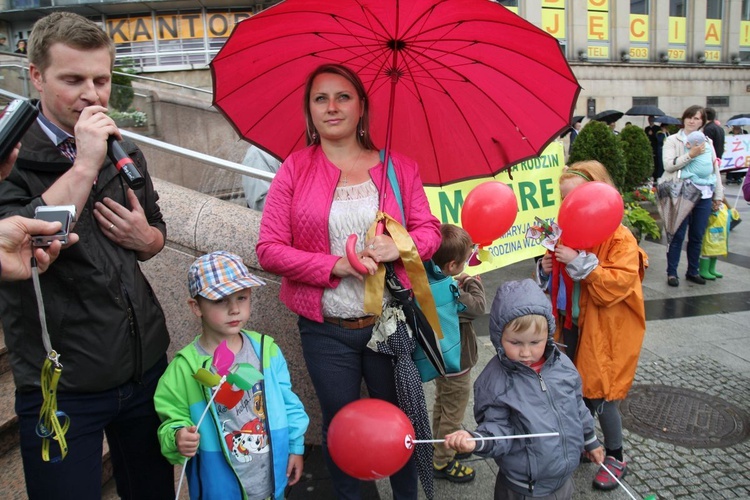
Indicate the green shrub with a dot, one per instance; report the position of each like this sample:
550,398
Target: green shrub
639,158
122,90
596,141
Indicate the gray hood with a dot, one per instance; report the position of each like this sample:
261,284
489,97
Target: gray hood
514,299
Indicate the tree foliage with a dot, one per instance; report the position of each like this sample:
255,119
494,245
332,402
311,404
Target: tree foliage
122,90
639,158
596,141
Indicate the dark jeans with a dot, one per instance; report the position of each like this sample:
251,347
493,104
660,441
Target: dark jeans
695,226
126,414
337,359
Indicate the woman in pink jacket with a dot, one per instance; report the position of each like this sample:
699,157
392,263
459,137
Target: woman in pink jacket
320,196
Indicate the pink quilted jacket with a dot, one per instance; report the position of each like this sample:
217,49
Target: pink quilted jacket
293,241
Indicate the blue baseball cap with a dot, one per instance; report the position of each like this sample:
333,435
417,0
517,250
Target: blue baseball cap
219,274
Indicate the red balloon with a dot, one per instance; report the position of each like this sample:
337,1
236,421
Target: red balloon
370,439
488,212
590,214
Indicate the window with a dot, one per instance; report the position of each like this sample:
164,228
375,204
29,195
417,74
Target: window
678,8
639,7
646,101
714,9
721,101
745,10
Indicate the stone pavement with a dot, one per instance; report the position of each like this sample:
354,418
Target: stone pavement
696,341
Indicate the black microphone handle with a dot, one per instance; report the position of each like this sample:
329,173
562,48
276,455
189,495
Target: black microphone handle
124,164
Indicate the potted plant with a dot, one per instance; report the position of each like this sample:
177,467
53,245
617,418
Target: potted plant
640,222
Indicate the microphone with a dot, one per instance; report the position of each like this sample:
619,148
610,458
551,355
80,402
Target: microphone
124,164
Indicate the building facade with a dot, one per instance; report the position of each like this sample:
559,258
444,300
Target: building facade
670,53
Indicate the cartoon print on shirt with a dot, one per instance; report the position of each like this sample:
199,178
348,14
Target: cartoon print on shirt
248,441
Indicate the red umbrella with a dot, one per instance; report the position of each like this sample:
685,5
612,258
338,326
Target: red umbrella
465,87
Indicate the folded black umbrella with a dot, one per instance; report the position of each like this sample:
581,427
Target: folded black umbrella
411,400
415,318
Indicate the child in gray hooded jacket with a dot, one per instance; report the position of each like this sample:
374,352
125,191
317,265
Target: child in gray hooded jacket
529,388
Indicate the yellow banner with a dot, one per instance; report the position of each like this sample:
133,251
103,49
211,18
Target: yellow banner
173,26
677,30
713,31
639,53
638,28
676,54
598,26
553,22
744,33
535,184
598,51
601,5
713,55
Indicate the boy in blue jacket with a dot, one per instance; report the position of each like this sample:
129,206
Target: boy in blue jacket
529,388
253,449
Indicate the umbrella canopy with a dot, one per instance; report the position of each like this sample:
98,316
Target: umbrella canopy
608,116
644,110
675,201
741,115
465,87
738,121
669,120
576,119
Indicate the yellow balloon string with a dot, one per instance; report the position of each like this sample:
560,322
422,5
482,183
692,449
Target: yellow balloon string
374,284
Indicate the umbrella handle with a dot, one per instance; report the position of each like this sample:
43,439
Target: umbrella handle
351,252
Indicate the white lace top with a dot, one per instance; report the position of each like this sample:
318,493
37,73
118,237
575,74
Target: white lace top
353,211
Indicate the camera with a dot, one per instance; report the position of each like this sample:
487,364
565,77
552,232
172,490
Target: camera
15,119
65,214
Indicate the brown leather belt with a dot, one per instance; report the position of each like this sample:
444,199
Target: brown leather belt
353,323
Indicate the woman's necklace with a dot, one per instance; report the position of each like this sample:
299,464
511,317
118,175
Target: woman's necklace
345,180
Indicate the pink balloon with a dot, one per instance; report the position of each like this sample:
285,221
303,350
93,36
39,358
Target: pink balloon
370,439
488,212
590,214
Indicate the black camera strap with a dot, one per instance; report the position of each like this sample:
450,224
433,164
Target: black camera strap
49,426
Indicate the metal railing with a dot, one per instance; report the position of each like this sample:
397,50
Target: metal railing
180,151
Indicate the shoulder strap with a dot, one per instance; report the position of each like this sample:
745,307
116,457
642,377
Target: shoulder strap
394,183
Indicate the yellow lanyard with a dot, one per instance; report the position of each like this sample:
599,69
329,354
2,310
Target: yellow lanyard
49,427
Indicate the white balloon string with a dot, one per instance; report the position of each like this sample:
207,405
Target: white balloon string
198,426
492,438
618,481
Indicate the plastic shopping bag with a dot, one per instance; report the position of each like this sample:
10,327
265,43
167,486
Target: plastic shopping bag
715,238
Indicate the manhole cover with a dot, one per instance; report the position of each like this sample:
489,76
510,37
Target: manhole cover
683,417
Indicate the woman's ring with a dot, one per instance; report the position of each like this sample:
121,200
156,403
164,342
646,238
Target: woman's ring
372,246
111,227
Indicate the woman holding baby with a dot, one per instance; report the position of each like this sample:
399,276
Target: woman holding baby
682,160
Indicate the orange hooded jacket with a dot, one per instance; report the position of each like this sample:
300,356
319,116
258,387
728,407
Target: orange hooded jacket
612,318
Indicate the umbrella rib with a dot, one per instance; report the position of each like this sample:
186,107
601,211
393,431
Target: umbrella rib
461,77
